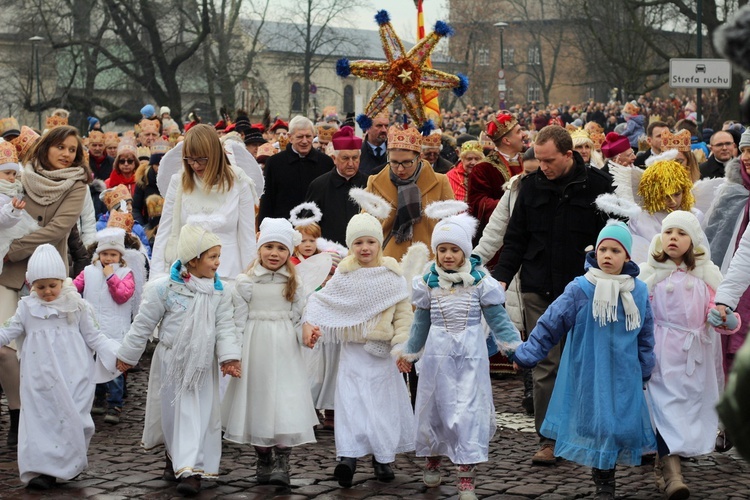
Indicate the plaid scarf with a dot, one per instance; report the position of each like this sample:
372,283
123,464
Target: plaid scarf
409,211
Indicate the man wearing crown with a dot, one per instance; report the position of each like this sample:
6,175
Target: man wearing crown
431,146
487,178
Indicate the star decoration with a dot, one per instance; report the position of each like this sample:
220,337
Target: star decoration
404,74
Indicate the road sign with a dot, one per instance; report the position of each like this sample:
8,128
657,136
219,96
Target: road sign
501,74
501,85
502,96
700,73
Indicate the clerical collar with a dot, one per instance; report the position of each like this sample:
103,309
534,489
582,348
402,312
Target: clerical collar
297,153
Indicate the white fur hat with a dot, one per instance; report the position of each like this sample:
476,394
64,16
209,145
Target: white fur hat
111,238
362,225
280,231
46,263
455,227
687,222
195,238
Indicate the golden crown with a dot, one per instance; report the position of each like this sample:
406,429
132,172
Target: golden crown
679,141
433,140
56,121
404,138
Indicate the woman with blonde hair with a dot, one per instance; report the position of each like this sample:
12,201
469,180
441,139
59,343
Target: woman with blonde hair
199,180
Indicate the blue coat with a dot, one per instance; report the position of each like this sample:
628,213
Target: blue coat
597,414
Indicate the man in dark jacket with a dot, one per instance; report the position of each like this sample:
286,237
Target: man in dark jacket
374,146
289,173
653,133
722,150
330,191
554,220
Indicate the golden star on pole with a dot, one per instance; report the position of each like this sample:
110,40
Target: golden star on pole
403,74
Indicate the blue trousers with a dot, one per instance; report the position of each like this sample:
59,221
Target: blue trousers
115,390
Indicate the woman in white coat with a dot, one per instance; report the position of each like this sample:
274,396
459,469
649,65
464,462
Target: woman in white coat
210,186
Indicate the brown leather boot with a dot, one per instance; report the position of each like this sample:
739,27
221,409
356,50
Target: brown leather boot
675,487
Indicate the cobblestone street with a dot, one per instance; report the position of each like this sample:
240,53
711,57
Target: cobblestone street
120,469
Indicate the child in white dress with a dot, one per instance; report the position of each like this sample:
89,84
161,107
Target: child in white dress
196,331
454,409
271,407
366,308
57,335
15,222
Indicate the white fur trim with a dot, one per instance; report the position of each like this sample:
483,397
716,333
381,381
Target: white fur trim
414,260
296,221
667,155
615,205
446,208
371,203
398,352
325,245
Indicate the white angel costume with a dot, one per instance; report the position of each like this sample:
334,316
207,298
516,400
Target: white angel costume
14,223
56,344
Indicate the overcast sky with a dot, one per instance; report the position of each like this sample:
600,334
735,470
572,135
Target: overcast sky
403,15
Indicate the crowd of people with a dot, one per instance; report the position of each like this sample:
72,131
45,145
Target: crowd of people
293,274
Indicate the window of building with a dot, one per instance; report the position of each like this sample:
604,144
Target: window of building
533,92
591,92
486,96
296,97
535,56
483,56
509,56
348,99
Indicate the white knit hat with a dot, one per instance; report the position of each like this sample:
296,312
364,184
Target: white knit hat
361,225
686,221
164,110
111,238
457,230
745,139
46,263
280,231
195,239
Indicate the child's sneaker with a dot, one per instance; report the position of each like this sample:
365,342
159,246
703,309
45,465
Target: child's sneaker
466,474
113,416
99,408
431,474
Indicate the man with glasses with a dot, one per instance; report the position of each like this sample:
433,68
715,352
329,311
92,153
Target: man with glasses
722,150
408,184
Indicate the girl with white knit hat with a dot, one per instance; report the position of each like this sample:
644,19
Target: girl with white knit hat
271,407
57,334
108,284
366,308
454,409
196,334
688,378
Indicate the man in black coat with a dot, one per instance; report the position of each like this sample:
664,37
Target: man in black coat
553,222
288,174
330,191
653,134
722,150
374,146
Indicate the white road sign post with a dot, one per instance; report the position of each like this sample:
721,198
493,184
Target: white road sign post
700,73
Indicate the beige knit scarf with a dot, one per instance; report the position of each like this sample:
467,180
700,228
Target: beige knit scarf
46,187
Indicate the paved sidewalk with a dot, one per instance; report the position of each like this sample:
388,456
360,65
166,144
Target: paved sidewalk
120,469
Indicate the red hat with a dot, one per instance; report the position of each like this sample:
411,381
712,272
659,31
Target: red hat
345,139
279,123
220,125
259,126
500,125
230,127
614,144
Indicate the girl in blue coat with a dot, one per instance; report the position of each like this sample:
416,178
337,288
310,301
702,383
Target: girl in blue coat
598,414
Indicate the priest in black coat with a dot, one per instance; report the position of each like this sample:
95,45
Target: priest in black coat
330,191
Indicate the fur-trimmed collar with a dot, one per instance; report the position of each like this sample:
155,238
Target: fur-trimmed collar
350,263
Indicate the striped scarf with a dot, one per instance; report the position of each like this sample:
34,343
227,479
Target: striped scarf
409,211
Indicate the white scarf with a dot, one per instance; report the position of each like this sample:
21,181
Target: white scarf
351,303
11,189
69,302
463,275
609,288
193,349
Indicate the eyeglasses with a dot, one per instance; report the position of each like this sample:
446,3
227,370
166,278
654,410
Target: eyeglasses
127,160
723,145
200,161
406,165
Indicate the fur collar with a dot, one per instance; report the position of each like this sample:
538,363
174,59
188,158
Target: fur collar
350,263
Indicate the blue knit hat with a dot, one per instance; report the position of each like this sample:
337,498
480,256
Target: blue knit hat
148,111
92,122
618,231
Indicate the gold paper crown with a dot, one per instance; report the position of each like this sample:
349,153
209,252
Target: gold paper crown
147,126
679,141
654,118
143,152
325,132
24,141
112,197
578,134
598,139
433,140
266,150
55,121
127,145
472,147
593,127
8,153
160,146
400,138
8,124
85,156
123,220
111,139
95,136
485,141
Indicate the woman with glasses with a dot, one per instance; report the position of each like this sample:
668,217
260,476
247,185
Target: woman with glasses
206,184
125,164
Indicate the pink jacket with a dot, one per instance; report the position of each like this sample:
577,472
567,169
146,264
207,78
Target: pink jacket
120,289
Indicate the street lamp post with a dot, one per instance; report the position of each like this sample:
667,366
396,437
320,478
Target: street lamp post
501,74
35,54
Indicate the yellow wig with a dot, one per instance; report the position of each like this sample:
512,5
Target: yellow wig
664,178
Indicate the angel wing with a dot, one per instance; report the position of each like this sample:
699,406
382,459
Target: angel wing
313,271
241,158
704,191
414,261
626,181
169,165
136,261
